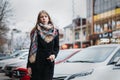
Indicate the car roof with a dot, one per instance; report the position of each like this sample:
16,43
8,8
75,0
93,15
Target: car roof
71,49
106,45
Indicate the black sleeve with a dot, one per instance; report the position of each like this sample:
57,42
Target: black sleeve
56,44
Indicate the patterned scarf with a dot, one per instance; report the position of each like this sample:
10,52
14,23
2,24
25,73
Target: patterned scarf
46,33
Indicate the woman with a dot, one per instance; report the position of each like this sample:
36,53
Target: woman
43,49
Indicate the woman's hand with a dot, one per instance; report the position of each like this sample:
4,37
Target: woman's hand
51,57
29,70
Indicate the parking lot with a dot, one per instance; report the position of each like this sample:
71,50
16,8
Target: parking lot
3,77
100,62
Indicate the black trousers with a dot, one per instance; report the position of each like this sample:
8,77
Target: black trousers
42,71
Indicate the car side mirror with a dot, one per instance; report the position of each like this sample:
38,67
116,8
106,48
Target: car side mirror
118,62
116,59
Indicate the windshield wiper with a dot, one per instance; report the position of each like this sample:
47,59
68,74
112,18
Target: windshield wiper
82,61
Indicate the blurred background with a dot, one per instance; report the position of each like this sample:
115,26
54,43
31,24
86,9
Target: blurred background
90,22
81,23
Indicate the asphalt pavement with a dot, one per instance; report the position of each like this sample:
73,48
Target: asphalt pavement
3,77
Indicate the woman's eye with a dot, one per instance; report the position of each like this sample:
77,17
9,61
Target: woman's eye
46,16
43,16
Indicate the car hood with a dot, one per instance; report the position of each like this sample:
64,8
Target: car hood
65,69
10,60
18,64
5,57
3,63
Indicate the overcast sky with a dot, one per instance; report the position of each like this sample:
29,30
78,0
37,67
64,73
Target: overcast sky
61,11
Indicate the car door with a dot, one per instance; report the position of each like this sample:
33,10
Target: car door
109,72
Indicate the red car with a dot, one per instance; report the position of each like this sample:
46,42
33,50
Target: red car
21,74
63,55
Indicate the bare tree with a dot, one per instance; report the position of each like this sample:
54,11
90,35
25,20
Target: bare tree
5,14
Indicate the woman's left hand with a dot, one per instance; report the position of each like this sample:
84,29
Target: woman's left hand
51,57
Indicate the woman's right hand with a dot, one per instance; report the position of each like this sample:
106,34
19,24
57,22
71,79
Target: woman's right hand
29,70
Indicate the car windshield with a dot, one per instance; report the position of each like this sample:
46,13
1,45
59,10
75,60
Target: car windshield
16,53
64,54
90,55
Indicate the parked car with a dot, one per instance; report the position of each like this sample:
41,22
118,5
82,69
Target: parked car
95,60
20,74
110,72
15,66
16,57
63,55
12,55
2,55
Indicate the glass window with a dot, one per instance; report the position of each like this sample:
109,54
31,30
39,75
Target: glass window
113,24
116,55
77,35
93,54
25,56
63,54
118,5
18,53
98,29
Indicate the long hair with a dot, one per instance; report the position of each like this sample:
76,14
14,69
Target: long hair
38,20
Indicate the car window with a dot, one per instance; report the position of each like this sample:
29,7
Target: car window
64,54
18,53
25,56
2,55
117,54
94,54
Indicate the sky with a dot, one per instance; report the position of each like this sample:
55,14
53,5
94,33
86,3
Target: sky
25,12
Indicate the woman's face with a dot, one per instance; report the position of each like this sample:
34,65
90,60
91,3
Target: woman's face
44,18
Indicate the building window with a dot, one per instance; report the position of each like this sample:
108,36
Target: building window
113,24
105,28
76,35
118,24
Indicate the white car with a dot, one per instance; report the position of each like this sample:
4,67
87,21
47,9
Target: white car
63,55
95,61
110,72
18,56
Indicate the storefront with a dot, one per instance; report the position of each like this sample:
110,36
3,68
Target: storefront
116,37
106,27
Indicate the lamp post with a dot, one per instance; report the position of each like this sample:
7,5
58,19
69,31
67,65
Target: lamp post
73,24
73,30
81,32
92,25
12,38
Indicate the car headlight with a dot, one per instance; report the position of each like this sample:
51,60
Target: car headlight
19,73
81,74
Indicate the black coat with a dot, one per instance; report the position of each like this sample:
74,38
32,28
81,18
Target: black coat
43,69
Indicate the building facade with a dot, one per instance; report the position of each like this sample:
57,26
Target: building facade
103,21
75,34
